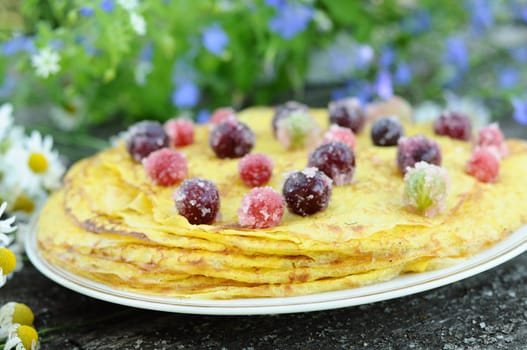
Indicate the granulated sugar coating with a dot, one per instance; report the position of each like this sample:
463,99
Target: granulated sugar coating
255,169
491,137
484,165
180,132
262,207
341,134
166,167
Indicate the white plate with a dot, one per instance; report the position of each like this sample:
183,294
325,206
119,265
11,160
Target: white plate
401,286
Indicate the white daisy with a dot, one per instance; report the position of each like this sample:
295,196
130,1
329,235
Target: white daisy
21,337
138,23
14,313
129,5
44,161
7,264
6,225
6,119
69,115
46,62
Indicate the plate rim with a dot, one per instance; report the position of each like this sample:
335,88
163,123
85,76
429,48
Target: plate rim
404,285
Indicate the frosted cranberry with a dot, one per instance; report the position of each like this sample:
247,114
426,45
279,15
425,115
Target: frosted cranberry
262,207
166,167
338,133
454,125
285,110
491,137
347,113
198,200
336,160
255,169
144,138
386,131
411,150
221,114
307,192
231,139
483,165
180,132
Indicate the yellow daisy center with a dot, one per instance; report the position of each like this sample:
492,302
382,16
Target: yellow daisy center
7,261
38,162
23,315
23,203
27,334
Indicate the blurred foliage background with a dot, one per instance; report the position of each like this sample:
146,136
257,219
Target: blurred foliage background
80,63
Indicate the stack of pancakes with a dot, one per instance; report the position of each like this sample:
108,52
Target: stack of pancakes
110,223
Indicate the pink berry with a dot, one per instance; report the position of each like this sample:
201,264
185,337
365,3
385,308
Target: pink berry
221,114
454,125
166,167
262,207
255,169
491,137
340,134
483,165
180,131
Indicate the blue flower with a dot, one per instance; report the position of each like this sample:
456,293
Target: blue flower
107,5
363,56
457,52
361,89
481,14
417,22
18,44
520,110
203,116
519,54
186,95
507,77
147,52
86,11
7,87
403,73
275,3
290,19
387,56
214,39
383,84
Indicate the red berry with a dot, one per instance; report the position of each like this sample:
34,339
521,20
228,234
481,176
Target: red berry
198,200
255,169
262,207
411,150
336,160
166,167
144,138
231,139
338,133
483,165
492,137
180,131
454,125
347,113
307,192
386,131
221,114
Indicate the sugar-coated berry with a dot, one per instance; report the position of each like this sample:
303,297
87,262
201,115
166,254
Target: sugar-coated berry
411,150
198,200
425,188
297,131
454,125
221,114
144,138
255,169
166,167
180,131
262,207
340,134
307,192
336,160
492,138
483,164
386,131
348,113
231,139
285,110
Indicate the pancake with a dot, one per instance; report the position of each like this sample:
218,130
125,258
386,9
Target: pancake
118,228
